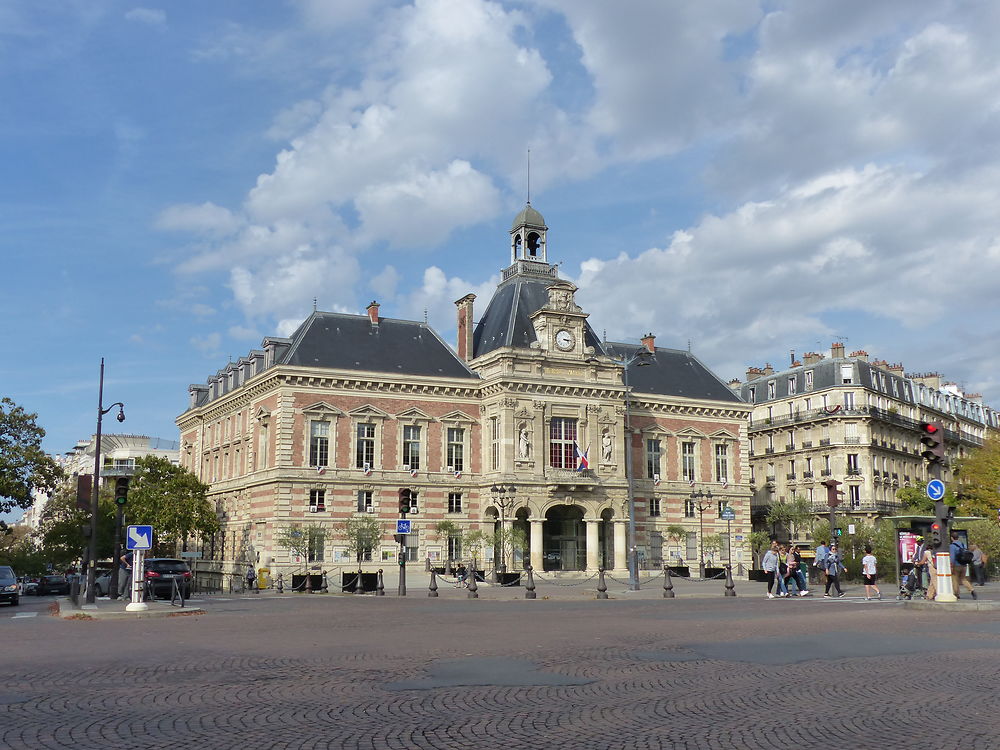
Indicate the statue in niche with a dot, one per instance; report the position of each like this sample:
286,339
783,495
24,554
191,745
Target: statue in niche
523,443
606,447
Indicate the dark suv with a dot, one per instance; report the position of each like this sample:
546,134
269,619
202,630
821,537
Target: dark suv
10,590
162,572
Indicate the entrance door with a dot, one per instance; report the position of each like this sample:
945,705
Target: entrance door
564,539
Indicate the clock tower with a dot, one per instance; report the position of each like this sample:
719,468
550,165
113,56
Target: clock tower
559,324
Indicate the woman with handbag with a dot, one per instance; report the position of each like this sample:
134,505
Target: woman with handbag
834,567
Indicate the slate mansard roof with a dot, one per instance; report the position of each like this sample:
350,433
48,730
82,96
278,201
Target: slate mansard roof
672,372
828,373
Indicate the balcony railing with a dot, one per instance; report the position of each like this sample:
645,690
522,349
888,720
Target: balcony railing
768,451
790,476
824,441
825,473
852,440
853,472
807,475
790,446
771,480
807,443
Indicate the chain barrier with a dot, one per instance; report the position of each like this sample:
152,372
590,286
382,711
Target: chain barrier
692,579
554,582
641,581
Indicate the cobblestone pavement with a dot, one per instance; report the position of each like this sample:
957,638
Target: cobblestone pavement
366,672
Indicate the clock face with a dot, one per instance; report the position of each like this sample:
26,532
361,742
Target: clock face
565,339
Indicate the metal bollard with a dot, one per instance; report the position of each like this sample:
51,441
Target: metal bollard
433,588
359,587
730,585
326,586
309,582
473,588
529,590
427,565
380,585
668,585
602,587
281,583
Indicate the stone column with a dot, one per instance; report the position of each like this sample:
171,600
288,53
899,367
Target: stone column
621,543
592,543
508,549
536,542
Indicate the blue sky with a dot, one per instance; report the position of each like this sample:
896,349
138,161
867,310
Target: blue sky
181,179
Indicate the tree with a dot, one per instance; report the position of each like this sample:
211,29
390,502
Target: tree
712,546
676,533
24,467
302,541
915,501
979,479
987,535
363,533
18,550
61,538
476,542
508,540
758,541
821,533
172,500
791,515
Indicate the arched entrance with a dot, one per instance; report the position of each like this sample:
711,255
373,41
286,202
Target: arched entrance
564,539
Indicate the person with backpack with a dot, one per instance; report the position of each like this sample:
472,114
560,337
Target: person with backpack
819,561
960,557
834,567
930,564
251,578
868,570
781,577
794,562
919,568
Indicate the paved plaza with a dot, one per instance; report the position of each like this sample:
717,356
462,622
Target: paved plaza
636,671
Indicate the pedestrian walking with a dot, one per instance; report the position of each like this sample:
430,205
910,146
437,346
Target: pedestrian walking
931,567
819,560
834,567
781,579
979,559
960,557
917,559
869,572
251,578
795,570
125,574
770,565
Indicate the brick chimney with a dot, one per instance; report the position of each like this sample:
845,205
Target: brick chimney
897,369
837,350
811,357
753,372
373,312
768,370
649,341
465,331
860,354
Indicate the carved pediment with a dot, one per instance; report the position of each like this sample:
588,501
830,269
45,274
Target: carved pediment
723,435
322,409
690,432
368,412
415,414
458,416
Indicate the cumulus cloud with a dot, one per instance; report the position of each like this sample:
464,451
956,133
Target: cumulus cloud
204,219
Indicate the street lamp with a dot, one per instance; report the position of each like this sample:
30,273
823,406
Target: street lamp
504,498
92,548
642,358
703,501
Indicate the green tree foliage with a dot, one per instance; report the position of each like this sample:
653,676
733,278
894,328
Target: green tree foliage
61,535
821,533
362,533
987,535
758,541
712,546
509,540
794,514
881,537
24,467
172,500
476,542
916,503
18,550
979,480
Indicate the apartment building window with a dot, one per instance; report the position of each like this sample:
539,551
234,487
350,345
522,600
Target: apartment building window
847,374
317,501
771,386
854,493
753,395
653,456
365,457
454,547
852,463
688,462
454,502
792,383
689,509
319,443
826,464
851,432
411,446
809,379
809,467
262,447
723,504
317,540
654,506
721,463
495,443
848,399
456,448
562,443
692,546
366,503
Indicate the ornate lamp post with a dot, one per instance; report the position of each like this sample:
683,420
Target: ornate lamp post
703,501
92,547
504,498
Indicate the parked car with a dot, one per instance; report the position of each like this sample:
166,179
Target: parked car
29,586
10,589
52,585
161,572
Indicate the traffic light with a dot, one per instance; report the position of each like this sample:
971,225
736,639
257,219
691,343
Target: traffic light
932,437
121,491
943,514
935,536
838,531
405,497
832,493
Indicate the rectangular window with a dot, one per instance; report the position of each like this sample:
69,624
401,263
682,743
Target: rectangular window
688,462
456,448
317,540
852,463
792,383
319,443
723,504
771,389
847,374
809,380
365,501
455,547
753,395
721,463
855,496
454,502
692,546
562,443
652,459
848,399
411,446
495,443
365,457
689,509
317,500
654,506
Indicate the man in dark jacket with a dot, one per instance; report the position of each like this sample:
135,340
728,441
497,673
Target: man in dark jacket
958,577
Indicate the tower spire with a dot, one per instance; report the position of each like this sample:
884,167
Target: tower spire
529,177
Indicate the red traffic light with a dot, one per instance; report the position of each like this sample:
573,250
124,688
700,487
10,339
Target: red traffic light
936,526
929,427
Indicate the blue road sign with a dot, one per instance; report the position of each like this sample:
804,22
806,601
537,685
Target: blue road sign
935,489
403,525
728,514
139,537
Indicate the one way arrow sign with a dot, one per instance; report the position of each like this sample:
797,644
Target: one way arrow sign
139,537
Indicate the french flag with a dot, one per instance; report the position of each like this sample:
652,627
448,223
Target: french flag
582,456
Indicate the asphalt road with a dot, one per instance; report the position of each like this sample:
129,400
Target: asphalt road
318,671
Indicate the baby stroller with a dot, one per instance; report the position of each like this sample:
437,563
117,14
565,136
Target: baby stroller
908,588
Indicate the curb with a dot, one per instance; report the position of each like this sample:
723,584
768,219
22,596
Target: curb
961,606
92,612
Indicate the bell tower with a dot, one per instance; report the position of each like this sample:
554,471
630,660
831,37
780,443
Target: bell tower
528,236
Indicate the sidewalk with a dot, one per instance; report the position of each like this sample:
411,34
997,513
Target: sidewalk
108,609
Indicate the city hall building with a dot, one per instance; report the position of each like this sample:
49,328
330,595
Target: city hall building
527,424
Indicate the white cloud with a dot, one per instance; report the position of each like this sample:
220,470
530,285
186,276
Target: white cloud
384,284
204,219
208,345
148,16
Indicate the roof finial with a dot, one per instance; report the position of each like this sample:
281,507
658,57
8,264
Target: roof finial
529,176
425,316
314,304
689,346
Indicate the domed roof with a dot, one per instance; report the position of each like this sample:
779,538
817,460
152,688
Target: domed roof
528,216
